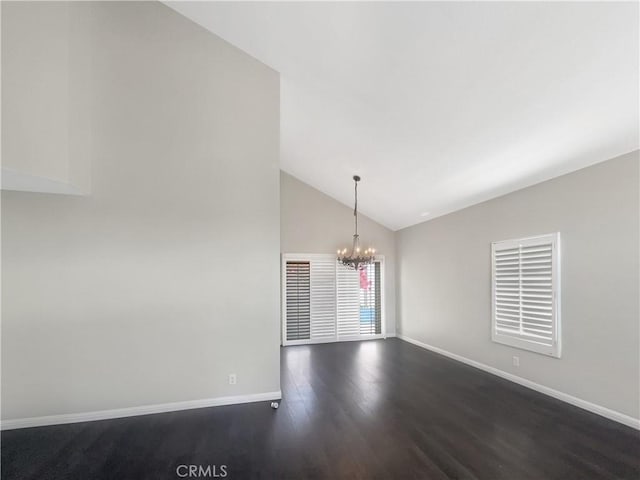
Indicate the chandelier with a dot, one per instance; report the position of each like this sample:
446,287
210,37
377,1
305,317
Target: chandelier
357,258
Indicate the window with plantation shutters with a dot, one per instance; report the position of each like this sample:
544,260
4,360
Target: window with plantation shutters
525,293
323,301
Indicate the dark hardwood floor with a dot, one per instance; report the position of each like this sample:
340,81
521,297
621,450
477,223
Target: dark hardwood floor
367,410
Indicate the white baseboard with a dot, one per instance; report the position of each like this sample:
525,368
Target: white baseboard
565,397
133,411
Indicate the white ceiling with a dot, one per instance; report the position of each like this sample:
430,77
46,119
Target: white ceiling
441,105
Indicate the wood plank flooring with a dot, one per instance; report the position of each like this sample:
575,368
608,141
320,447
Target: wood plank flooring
358,410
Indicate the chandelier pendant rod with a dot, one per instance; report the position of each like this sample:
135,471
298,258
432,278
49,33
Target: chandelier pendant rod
355,214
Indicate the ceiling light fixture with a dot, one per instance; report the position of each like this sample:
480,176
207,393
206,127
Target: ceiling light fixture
357,258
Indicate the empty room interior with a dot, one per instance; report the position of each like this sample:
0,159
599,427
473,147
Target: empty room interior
320,240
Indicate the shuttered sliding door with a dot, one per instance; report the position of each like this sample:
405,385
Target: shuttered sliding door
526,284
340,303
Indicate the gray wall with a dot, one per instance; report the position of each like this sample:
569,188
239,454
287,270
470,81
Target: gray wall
312,222
166,278
444,271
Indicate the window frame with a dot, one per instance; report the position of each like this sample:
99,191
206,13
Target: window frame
520,342
301,257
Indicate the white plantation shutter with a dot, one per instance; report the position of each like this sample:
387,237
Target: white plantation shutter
359,309
525,291
323,298
297,305
370,301
348,293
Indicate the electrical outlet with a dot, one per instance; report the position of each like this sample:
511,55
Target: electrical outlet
232,379
516,361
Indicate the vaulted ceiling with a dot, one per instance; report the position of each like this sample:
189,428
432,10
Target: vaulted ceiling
440,105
